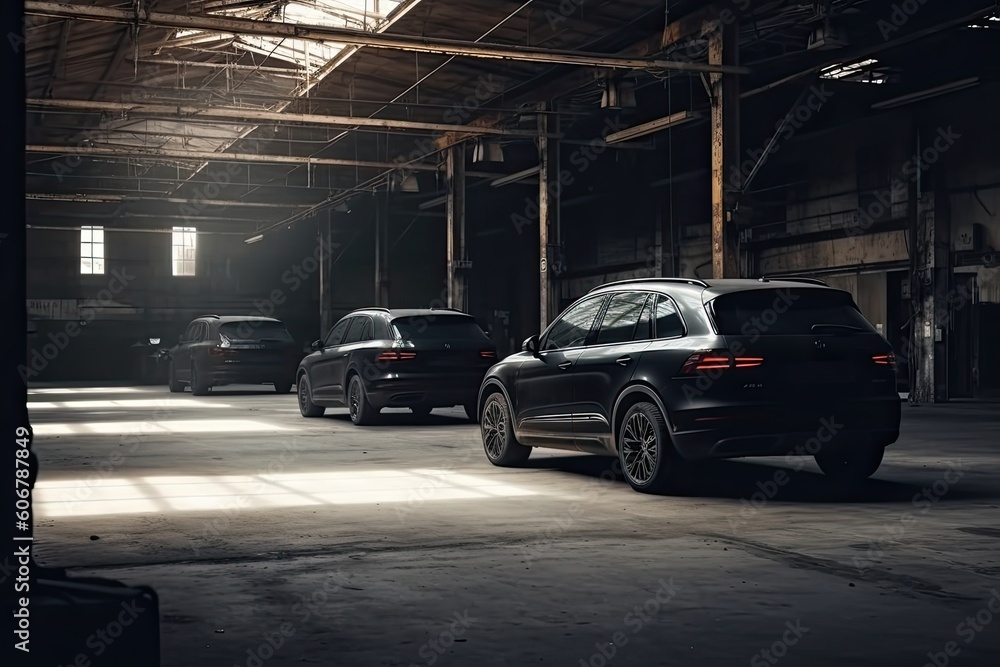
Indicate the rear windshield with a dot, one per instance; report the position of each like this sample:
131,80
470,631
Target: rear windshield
776,312
255,331
438,328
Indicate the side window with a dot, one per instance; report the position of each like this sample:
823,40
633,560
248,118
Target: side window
190,333
668,320
204,332
357,331
368,333
621,318
337,333
572,329
644,329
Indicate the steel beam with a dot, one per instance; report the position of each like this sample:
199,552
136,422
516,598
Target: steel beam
723,47
123,199
350,36
192,112
211,156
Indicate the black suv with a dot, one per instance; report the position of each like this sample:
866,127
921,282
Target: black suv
659,371
379,358
216,350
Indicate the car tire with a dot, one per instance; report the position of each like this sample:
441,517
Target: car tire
497,430
306,405
361,411
175,386
645,453
854,463
199,384
283,387
471,411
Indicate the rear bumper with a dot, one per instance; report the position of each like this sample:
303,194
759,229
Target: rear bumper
256,373
781,429
436,392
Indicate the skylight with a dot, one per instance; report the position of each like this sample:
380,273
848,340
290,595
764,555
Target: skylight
367,15
862,71
992,21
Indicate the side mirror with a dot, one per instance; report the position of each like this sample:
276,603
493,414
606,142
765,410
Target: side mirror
316,345
531,345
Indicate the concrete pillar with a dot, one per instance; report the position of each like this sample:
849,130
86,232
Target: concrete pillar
457,258
932,246
723,49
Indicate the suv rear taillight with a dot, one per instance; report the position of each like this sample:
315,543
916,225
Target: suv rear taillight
717,360
395,355
888,360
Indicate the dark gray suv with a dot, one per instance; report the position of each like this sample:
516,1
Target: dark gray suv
660,371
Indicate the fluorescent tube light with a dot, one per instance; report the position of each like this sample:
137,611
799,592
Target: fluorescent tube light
652,126
514,178
927,94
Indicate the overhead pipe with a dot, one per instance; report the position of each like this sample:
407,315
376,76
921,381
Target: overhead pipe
351,36
197,112
123,199
212,156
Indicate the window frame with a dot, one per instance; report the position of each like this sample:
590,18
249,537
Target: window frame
184,232
92,257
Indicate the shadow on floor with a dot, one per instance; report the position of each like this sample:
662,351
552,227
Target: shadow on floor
739,479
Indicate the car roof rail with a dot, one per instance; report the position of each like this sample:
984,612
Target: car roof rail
794,279
202,317
361,310
684,281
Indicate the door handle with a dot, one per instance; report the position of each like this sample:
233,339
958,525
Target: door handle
624,360
566,364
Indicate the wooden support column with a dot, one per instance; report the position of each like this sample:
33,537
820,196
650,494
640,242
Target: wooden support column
723,48
324,236
381,249
544,217
456,251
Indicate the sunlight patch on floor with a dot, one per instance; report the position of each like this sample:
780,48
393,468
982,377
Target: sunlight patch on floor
95,496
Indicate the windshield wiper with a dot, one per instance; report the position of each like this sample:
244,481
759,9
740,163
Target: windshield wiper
845,327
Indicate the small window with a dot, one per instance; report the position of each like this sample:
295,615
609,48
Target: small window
336,334
92,250
621,318
573,328
360,331
668,320
191,332
184,250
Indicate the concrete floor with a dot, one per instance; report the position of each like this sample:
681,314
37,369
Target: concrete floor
401,545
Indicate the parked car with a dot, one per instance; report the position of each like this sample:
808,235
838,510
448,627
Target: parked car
216,351
662,371
379,358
